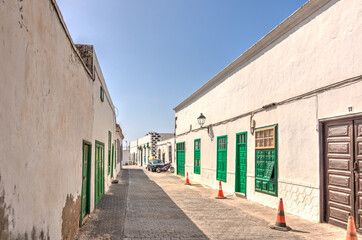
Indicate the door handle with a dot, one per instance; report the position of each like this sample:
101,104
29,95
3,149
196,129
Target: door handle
355,167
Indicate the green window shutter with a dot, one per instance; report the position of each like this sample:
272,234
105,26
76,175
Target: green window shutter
266,160
101,94
221,166
197,156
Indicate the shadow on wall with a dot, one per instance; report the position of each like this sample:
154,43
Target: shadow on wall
152,214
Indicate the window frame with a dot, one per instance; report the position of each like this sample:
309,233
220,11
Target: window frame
275,166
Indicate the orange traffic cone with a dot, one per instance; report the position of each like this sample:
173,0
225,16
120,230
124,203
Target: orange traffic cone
280,224
187,180
351,230
221,193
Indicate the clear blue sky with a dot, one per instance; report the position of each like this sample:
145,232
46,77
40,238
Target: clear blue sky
155,53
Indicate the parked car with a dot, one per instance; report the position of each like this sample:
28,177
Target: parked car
153,164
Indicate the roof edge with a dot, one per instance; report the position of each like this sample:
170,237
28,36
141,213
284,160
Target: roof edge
289,23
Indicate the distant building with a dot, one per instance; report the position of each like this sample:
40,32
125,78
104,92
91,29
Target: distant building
58,131
284,120
144,148
126,156
165,149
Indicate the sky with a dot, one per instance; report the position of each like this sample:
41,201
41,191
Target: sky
155,53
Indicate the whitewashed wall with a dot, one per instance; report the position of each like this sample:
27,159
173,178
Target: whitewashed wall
163,147
146,152
104,121
47,109
323,49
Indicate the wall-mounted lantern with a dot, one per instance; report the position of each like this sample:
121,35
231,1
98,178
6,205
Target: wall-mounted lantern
201,120
252,126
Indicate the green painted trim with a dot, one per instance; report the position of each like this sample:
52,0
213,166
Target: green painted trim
276,161
87,210
237,173
217,150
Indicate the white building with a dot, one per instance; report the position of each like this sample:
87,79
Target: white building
285,118
126,156
58,126
165,149
143,148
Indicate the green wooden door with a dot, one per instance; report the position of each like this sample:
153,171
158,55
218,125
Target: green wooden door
112,161
241,150
221,165
109,151
197,157
115,154
86,172
99,172
180,150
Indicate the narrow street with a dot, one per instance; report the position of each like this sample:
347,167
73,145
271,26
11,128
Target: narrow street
147,205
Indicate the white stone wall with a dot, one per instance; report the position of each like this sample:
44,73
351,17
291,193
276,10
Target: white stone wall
321,50
48,106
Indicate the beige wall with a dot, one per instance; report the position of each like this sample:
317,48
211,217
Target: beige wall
323,49
47,110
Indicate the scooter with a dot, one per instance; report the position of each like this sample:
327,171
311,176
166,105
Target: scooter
165,168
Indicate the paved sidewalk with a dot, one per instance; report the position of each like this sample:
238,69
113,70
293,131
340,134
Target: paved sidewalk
107,221
149,205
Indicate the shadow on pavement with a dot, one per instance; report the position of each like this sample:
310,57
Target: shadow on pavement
152,214
107,221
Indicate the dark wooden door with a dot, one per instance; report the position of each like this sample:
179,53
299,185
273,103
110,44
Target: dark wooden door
358,170
343,148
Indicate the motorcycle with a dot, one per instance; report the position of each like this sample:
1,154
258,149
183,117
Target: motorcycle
165,168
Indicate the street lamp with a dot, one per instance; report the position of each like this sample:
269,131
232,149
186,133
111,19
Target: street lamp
201,120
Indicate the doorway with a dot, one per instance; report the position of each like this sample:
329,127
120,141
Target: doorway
342,180
99,172
86,173
240,170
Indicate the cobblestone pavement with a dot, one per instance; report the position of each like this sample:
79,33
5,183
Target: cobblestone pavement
160,206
